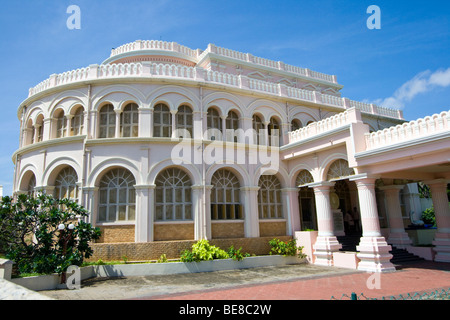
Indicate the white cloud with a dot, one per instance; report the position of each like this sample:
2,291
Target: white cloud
421,83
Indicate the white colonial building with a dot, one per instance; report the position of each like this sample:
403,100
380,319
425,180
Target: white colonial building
164,143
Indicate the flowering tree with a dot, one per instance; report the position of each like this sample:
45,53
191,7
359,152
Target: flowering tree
44,235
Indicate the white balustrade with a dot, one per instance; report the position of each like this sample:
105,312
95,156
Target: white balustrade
409,131
315,128
147,69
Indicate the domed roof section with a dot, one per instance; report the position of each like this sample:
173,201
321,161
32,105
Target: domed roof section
154,51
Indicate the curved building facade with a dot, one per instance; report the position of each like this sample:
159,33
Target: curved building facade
164,143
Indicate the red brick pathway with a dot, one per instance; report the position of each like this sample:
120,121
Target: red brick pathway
422,277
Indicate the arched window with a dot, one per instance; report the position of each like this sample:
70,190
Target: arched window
274,133
29,133
117,196
162,121
78,122
232,123
107,122
66,184
214,124
129,121
39,128
269,198
173,200
185,121
339,169
60,124
303,178
258,127
225,196
296,124
31,185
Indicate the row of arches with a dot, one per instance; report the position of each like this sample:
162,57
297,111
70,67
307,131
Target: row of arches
114,124
173,195
173,192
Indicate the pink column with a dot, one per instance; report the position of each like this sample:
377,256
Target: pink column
397,236
326,242
373,248
442,213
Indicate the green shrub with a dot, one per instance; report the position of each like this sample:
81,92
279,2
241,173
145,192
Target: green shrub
237,255
202,250
30,228
428,216
285,248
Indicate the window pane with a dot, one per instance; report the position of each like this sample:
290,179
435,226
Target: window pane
187,212
102,214
122,195
131,212
169,212
179,212
122,212
112,213
159,212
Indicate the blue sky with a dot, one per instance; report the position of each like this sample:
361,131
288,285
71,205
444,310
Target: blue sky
406,63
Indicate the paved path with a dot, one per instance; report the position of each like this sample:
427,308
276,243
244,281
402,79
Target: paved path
299,282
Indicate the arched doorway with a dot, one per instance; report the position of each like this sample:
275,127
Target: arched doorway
346,193
306,201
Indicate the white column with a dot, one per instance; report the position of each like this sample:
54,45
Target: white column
143,223
207,211
266,133
69,118
291,210
151,212
85,123
118,112
36,133
442,213
224,127
249,199
144,122
326,242
373,248
174,122
397,235
198,214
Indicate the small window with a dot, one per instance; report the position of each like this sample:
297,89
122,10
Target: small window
129,121
60,124
78,122
232,124
162,121
107,122
185,121
259,131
